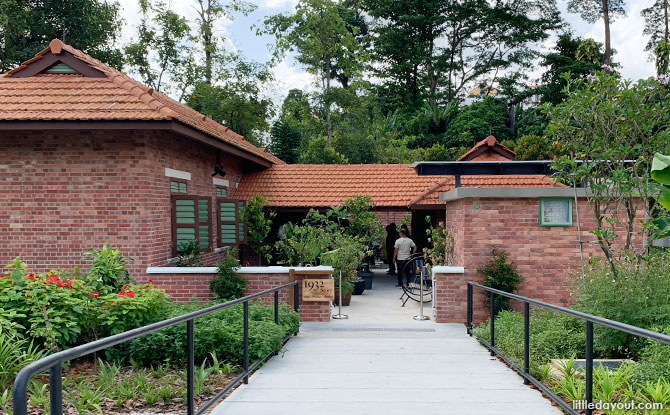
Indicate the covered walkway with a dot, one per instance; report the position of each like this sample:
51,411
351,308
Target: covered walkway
374,365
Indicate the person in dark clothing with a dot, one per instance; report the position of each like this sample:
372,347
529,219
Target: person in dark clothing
391,236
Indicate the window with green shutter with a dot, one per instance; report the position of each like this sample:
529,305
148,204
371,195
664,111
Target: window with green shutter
241,229
178,187
191,220
221,192
227,220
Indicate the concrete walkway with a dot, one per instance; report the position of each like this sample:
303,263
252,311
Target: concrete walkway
367,366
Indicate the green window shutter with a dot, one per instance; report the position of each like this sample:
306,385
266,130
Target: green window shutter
60,67
221,192
178,187
203,220
185,235
185,209
227,225
240,206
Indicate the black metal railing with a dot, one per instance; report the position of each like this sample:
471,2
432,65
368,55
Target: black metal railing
524,372
54,362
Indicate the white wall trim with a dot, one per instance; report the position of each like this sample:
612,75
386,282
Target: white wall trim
242,270
177,174
448,269
220,182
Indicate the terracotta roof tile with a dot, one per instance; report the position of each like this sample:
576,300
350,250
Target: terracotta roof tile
389,185
113,97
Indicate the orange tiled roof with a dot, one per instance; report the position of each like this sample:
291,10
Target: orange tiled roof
490,142
389,185
115,96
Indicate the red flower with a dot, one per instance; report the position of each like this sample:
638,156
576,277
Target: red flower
31,277
151,282
95,294
130,294
69,284
59,282
48,280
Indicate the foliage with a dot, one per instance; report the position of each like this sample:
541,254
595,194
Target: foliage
302,244
162,37
441,251
359,221
58,310
258,222
346,255
552,336
26,27
533,147
219,332
237,99
562,61
285,141
15,354
606,123
108,271
654,361
660,172
656,27
594,10
189,254
482,41
228,284
642,299
319,152
477,121
500,274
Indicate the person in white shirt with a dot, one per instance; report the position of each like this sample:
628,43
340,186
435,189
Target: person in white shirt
404,247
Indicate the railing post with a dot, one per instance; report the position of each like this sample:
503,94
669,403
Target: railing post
276,307
469,327
589,367
190,378
246,342
526,341
296,299
56,389
492,298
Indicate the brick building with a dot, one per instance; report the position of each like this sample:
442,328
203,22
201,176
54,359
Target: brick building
90,156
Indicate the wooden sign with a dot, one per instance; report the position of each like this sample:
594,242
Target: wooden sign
318,290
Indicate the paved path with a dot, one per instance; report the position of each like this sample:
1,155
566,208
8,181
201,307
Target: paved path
361,367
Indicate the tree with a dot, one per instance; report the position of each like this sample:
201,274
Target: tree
162,48
27,26
258,222
209,12
318,151
614,127
285,144
429,50
236,99
561,61
535,147
477,121
593,10
322,39
656,27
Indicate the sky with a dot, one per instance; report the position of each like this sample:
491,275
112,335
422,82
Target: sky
627,38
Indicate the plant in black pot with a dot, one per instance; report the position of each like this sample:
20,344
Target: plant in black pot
347,254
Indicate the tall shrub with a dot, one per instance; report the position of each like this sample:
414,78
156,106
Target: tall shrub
501,274
258,221
228,284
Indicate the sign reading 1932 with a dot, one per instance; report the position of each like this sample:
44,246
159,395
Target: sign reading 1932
318,290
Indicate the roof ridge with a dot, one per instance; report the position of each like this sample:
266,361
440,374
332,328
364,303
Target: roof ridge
428,191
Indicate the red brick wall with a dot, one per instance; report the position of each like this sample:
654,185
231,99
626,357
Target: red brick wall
64,192
547,258
184,287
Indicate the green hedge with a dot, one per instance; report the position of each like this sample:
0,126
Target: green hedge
552,336
220,332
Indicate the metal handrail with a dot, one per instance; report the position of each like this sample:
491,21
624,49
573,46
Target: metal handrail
54,361
525,371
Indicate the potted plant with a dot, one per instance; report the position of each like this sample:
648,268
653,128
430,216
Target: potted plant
346,256
347,290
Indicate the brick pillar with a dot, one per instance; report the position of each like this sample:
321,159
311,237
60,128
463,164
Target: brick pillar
450,293
313,310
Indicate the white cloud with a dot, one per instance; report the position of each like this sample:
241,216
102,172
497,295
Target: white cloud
278,4
288,75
